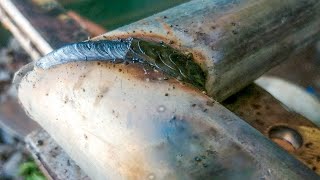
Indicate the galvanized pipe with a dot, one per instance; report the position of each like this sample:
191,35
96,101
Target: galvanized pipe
235,41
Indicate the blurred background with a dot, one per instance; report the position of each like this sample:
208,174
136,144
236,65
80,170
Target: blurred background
113,14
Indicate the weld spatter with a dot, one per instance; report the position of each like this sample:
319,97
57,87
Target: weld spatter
157,55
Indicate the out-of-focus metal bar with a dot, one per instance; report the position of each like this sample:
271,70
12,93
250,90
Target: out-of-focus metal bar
25,27
235,41
37,25
19,35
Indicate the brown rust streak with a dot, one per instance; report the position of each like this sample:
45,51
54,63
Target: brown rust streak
142,73
168,38
166,27
132,166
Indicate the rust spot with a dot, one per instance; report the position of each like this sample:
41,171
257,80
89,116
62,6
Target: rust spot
309,144
210,103
256,106
39,142
213,132
259,122
66,99
166,27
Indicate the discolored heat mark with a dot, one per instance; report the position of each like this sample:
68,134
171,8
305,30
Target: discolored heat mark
150,54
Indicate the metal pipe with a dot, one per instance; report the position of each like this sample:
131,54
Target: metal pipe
234,41
125,121
130,121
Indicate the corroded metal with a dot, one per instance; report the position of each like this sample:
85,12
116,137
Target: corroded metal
266,114
233,41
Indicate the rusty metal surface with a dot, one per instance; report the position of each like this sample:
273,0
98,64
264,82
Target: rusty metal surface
53,161
266,114
233,41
